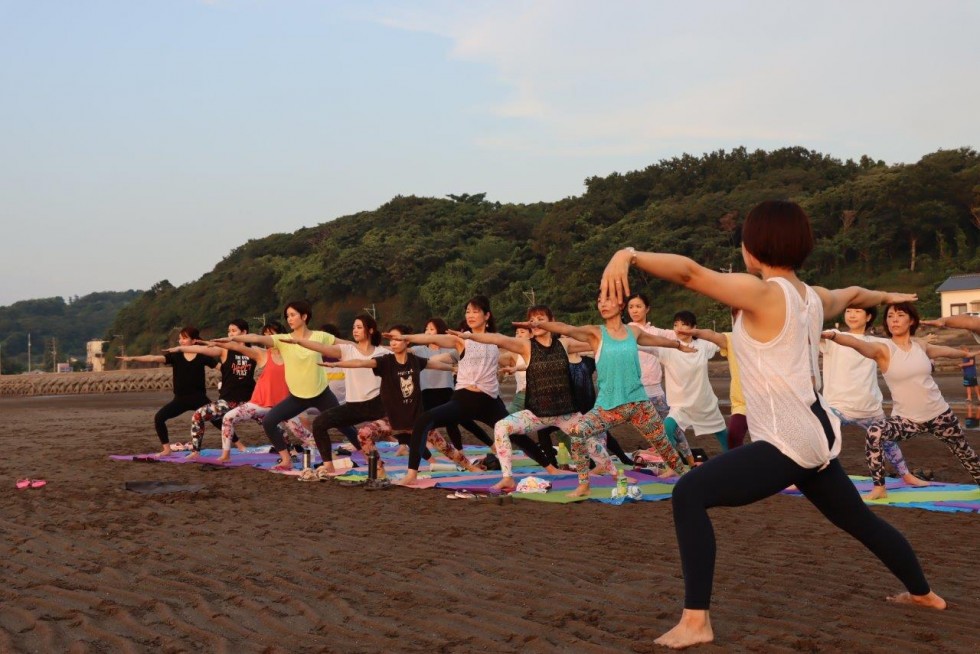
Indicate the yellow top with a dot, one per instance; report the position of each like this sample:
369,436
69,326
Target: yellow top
735,390
304,376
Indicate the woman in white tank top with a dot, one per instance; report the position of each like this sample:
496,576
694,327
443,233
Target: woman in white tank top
795,438
917,405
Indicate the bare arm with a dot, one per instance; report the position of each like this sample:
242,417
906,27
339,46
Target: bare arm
516,345
432,364
211,351
573,346
332,351
875,351
254,353
649,340
971,323
944,352
442,340
350,363
587,334
708,335
145,358
835,301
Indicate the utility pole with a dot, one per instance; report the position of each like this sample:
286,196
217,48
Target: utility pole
529,296
372,310
54,354
28,351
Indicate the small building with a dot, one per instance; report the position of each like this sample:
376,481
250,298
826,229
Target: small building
94,357
960,294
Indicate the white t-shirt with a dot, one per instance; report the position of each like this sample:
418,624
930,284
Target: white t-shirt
651,372
478,367
361,383
850,379
693,403
915,394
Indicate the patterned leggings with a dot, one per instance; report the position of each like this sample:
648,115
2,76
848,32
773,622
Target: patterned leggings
945,427
677,439
586,435
370,433
525,422
204,415
893,453
249,411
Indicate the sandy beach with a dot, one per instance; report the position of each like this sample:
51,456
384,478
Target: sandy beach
257,562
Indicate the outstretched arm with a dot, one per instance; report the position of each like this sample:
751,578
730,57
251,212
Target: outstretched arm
956,322
144,358
944,352
516,345
332,351
644,339
835,301
434,364
587,334
350,363
706,334
876,351
442,340
253,353
254,339
211,351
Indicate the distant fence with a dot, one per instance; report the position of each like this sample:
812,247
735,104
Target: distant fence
114,381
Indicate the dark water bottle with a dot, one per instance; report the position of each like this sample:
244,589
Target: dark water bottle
372,461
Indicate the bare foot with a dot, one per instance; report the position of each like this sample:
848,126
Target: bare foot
410,478
552,470
225,455
193,455
583,490
931,600
505,484
877,493
241,446
402,450
912,480
694,628
166,451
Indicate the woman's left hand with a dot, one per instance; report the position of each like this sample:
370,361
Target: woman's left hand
615,282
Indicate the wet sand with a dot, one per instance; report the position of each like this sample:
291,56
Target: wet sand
257,562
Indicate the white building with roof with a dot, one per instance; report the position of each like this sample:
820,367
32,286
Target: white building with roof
960,294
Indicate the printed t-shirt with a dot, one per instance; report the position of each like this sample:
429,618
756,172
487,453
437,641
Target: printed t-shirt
401,390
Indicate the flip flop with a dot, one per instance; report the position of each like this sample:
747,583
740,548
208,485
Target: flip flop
23,483
282,468
38,483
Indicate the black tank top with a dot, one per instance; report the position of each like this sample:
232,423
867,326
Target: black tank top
237,378
549,381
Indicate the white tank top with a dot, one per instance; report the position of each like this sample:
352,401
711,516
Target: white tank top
909,377
478,367
778,379
520,376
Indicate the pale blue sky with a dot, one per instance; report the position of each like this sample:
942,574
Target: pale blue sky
143,140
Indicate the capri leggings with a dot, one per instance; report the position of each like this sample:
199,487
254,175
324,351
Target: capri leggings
676,436
371,432
946,427
466,405
755,471
213,413
524,422
671,426
174,408
291,407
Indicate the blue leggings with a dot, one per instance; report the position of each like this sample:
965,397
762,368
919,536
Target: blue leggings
676,436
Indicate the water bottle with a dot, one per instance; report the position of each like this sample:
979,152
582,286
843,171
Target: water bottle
563,457
372,460
622,485
307,458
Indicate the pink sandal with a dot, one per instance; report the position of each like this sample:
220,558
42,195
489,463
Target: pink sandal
23,483
38,483
282,468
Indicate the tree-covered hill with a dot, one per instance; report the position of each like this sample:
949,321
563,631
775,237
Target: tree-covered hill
905,227
70,323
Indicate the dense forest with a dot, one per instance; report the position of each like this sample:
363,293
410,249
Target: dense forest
903,227
57,326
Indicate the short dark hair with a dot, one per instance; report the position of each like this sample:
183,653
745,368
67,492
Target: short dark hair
778,234
871,311
904,307
482,302
273,327
439,324
302,307
371,325
540,308
401,329
686,317
639,296
240,323
191,332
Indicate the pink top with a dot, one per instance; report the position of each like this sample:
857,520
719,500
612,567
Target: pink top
270,388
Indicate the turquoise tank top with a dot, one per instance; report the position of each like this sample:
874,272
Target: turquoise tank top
618,366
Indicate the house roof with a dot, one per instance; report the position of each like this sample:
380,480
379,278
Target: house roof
960,283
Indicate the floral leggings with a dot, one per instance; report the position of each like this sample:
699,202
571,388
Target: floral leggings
677,439
206,414
892,452
249,411
370,433
525,422
587,441
946,427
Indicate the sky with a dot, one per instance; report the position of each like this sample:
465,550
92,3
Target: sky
142,141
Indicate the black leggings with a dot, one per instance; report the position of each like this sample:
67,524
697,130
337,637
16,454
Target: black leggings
291,407
753,472
467,405
433,397
174,408
342,417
